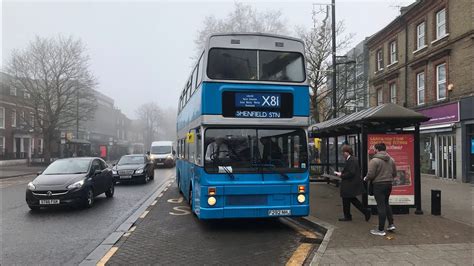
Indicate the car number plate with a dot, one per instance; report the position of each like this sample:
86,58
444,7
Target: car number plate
125,176
49,201
279,212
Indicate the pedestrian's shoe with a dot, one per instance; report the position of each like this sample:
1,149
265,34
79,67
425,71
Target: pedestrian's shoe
367,215
391,227
345,219
377,232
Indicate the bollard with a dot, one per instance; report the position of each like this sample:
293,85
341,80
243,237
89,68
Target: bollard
435,202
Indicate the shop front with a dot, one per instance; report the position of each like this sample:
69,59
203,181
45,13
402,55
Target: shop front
440,141
467,139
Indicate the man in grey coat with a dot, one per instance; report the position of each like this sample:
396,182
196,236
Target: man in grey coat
381,173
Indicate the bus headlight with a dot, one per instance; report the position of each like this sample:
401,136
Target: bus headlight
301,198
211,201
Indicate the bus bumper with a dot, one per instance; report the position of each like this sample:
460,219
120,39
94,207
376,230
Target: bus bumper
253,212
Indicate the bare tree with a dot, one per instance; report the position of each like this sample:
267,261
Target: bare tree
55,73
243,18
150,116
318,49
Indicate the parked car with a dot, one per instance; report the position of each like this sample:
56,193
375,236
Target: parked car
72,181
134,167
163,154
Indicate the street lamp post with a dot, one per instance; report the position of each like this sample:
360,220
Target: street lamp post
333,30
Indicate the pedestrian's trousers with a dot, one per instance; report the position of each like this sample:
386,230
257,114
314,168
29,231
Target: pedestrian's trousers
382,194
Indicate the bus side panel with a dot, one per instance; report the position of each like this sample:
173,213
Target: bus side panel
191,110
212,101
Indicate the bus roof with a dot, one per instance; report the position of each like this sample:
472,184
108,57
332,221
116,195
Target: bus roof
255,40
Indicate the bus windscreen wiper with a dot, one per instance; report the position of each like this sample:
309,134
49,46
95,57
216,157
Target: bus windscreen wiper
270,166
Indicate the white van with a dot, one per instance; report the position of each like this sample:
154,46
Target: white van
162,153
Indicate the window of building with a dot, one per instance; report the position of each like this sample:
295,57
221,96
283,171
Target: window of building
420,87
13,118
441,81
379,59
393,92
2,144
2,117
420,35
393,52
379,96
40,146
441,24
22,118
13,91
32,121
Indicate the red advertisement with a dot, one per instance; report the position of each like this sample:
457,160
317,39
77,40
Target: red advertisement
103,151
401,148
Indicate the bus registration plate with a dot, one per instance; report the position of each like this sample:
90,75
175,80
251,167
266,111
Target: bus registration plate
279,212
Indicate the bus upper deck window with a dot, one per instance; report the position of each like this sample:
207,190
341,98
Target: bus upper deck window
236,64
281,66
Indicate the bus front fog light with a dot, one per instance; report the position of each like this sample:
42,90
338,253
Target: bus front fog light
211,201
301,198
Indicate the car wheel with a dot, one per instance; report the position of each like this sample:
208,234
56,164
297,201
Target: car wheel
145,179
34,208
89,200
110,192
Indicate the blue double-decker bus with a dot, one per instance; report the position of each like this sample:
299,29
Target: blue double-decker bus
242,121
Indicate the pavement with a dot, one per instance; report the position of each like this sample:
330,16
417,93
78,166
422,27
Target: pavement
167,233
419,239
19,170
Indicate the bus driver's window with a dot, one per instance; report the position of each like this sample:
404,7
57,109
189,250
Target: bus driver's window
217,149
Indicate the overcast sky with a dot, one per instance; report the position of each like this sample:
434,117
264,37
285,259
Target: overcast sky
141,50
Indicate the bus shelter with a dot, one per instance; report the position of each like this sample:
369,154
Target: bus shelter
394,125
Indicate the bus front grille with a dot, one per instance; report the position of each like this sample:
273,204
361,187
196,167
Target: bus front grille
246,200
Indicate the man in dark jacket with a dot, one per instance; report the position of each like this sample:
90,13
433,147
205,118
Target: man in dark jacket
381,172
351,185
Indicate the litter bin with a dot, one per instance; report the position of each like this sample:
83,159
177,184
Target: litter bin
435,202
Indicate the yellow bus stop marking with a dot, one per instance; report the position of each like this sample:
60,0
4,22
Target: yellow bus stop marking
303,250
107,256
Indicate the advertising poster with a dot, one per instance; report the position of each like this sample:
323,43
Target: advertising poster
401,148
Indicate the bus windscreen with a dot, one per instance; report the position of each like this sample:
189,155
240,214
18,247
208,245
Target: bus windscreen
255,150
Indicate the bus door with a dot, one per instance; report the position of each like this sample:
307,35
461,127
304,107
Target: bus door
194,155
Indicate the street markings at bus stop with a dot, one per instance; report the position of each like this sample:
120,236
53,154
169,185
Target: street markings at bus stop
107,256
179,210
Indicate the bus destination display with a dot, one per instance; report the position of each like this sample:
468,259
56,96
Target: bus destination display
262,100
257,105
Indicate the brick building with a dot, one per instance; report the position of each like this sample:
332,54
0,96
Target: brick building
19,138
424,60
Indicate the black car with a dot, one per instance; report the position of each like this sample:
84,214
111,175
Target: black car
134,167
73,181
